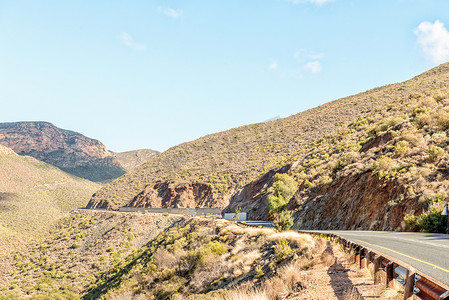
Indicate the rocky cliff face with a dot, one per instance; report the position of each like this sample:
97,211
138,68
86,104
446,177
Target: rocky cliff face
351,201
357,201
164,195
68,150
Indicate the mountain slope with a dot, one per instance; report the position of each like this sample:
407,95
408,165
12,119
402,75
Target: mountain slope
131,159
228,160
68,150
387,170
34,194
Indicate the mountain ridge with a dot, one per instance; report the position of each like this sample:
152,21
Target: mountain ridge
69,150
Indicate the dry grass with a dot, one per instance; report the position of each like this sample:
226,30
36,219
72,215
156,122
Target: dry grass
290,274
302,241
391,294
327,259
245,294
352,294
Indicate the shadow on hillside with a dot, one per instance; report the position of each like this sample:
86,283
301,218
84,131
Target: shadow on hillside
341,283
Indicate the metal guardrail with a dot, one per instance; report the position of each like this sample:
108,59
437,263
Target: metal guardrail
414,282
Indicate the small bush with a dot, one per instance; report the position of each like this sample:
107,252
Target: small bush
383,168
259,271
430,221
283,221
435,153
285,187
347,158
276,203
217,248
282,249
165,214
400,148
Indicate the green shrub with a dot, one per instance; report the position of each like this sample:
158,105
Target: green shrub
166,289
434,199
284,185
236,213
283,221
383,168
430,221
411,223
347,158
433,221
435,153
259,271
276,203
282,249
217,248
165,214
400,148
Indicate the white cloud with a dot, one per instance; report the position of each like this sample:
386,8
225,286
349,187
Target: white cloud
273,66
172,13
433,39
128,41
305,55
316,2
313,66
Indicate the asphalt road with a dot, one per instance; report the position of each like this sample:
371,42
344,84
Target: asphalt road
427,252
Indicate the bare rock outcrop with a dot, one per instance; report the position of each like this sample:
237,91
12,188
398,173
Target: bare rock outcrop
163,195
355,201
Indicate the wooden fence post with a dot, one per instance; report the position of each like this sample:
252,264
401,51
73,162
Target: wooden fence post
390,275
363,258
377,264
357,255
409,285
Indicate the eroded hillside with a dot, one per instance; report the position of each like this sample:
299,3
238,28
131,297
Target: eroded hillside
229,160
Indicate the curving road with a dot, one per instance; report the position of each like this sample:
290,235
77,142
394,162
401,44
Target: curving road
426,252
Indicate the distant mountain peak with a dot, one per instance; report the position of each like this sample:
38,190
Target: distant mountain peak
68,150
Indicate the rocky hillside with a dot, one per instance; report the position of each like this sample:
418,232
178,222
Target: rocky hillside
70,151
387,170
33,195
226,162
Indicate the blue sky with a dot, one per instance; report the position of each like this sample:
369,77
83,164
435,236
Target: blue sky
153,74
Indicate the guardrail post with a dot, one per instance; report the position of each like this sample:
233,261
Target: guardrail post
363,258
390,274
377,263
409,285
369,257
357,255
